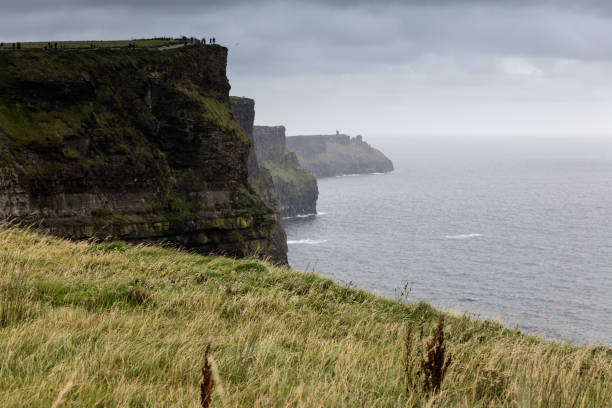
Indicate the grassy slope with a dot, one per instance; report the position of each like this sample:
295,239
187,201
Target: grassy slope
290,173
115,325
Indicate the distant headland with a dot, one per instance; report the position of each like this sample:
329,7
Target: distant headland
339,154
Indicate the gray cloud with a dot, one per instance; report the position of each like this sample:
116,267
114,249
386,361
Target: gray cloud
313,64
29,5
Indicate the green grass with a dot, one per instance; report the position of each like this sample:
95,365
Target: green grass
216,110
111,325
26,125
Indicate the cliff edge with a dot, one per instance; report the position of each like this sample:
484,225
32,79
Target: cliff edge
138,145
335,155
259,177
296,186
274,172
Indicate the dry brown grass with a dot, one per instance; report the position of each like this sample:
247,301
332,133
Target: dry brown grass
208,384
126,326
431,364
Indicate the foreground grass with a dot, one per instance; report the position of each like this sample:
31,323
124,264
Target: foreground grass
84,325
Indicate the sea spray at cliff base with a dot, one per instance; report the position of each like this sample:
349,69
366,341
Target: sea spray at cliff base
307,241
463,236
318,214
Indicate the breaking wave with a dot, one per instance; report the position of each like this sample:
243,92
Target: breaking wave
307,241
304,216
463,236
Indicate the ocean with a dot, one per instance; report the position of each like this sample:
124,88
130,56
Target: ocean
515,230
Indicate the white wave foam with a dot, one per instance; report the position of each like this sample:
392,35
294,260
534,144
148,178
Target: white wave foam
307,241
463,236
374,173
304,216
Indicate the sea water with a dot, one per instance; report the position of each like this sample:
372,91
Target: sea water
515,230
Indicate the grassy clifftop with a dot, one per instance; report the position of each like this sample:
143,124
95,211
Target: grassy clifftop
87,325
144,43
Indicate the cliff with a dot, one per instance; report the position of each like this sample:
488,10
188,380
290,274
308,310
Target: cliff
297,187
138,145
243,110
259,177
334,155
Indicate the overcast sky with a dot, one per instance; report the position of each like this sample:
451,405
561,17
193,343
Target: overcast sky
422,68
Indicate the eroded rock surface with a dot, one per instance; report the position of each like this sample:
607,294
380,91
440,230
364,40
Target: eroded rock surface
139,145
297,187
259,177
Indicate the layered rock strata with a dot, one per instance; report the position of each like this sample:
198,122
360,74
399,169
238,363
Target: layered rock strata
259,177
138,145
274,172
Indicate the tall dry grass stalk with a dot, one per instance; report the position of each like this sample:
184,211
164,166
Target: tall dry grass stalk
64,391
435,364
208,384
408,360
426,363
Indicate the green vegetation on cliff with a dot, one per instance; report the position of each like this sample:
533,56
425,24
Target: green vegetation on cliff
116,142
293,174
296,187
108,325
50,99
259,177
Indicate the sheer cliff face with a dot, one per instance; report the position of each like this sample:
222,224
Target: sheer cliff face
335,155
135,145
244,113
259,178
296,186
